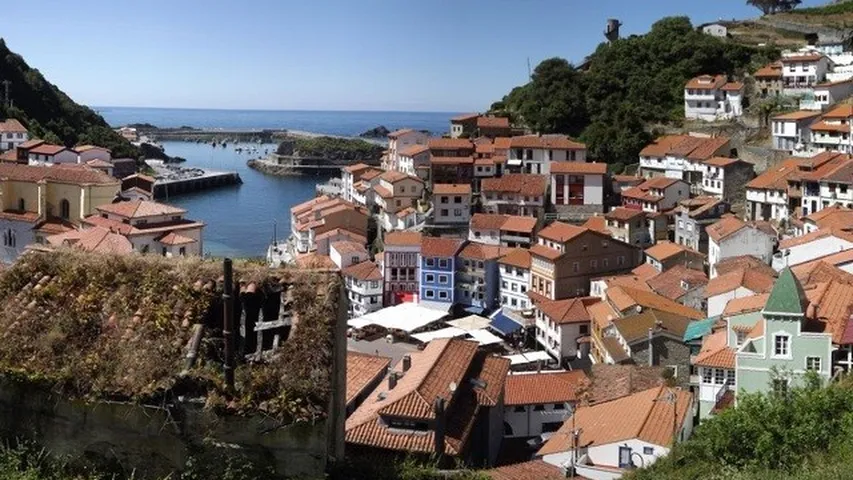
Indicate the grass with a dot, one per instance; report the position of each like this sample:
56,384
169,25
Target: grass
834,9
116,327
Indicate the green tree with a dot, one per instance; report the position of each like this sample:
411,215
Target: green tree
769,7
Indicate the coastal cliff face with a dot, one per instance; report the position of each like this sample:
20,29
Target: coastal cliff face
317,155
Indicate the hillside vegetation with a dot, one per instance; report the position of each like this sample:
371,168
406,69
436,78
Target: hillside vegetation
806,434
629,84
50,114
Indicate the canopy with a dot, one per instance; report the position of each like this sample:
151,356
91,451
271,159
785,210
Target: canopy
475,310
407,317
484,337
449,332
471,322
529,357
504,324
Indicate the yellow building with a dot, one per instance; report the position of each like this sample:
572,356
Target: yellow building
38,201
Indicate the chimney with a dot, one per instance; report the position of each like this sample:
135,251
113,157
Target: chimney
440,426
392,380
407,362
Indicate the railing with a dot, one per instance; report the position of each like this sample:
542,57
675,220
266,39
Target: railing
721,392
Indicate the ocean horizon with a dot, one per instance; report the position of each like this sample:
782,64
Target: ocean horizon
331,122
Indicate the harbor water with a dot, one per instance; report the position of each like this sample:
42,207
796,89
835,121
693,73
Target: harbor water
241,220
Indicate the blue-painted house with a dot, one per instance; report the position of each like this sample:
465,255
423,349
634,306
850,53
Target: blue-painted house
438,271
477,277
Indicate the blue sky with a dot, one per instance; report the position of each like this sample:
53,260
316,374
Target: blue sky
410,55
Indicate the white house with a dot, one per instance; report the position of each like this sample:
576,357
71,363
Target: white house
712,97
732,237
827,184
398,141
346,252
87,153
502,230
46,154
413,160
833,131
791,131
801,71
151,227
539,402
514,194
618,435
514,274
12,134
715,30
561,324
349,177
827,94
451,204
735,284
797,250
364,288
767,194
680,156
535,153
576,183
656,195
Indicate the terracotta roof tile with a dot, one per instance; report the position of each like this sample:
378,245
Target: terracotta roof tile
623,214
844,233
715,352
706,82
479,251
670,283
97,239
807,57
624,298
517,257
366,270
743,262
484,121
345,247
532,470
561,232
644,415
362,370
664,250
140,209
597,223
520,183
47,149
465,116
771,70
173,238
661,146
517,223
401,238
441,143
578,168
413,150
545,387
564,312
469,160
546,252
20,216
12,125
635,328
356,168
752,303
440,247
776,178
487,221
798,115
77,176
646,271
451,189
753,280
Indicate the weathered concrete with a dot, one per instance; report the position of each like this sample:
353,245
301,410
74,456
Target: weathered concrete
155,441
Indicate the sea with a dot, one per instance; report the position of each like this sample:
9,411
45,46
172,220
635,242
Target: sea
241,221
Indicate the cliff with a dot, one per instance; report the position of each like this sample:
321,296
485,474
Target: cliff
49,113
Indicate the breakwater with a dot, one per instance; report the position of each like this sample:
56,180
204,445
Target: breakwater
214,135
208,179
292,165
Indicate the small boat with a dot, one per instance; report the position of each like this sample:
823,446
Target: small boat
224,145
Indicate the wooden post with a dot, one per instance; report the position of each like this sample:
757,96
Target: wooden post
228,323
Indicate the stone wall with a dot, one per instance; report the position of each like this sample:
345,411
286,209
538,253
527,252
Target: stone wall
155,441
666,352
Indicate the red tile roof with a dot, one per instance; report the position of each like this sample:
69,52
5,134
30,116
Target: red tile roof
12,125
478,251
362,370
771,70
78,176
365,270
95,239
753,280
173,238
451,160
545,387
578,168
19,216
492,122
442,143
808,57
663,250
400,238
706,82
513,223
597,223
440,247
532,470
520,183
517,257
564,312
400,132
645,416
140,209
623,214
47,149
345,247
413,150
798,115
561,232
670,283
451,189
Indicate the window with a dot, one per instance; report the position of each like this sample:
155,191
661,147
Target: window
730,378
442,279
64,209
374,284
182,251
519,409
429,262
429,294
444,199
504,284
780,386
430,278
476,234
707,373
479,264
576,267
442,295
503,299
444,212
813,363
539,408
719,376
621,260
559,406
457,199
442,263
781,345
457,212
164,251
354,259
22,205
593,264
648,451
604,263
741,336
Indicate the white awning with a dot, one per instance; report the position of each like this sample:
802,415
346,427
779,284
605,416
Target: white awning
449,332
529,357
514,163
407,317
485,337
469,323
